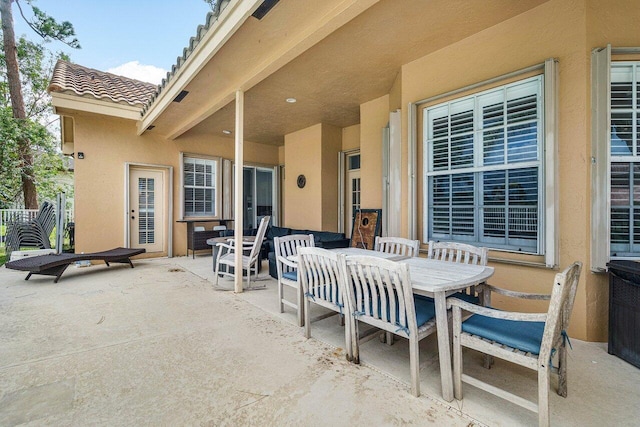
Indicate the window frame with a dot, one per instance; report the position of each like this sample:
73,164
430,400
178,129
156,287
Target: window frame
476,166
601,158
217,187
549,238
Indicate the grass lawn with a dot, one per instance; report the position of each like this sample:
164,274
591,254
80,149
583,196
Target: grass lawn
3,256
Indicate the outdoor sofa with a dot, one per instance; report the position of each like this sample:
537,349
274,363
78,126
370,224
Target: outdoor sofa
322,239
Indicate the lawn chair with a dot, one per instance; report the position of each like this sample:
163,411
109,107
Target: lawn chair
460,253
398,246
527,339
227,257
379,293
287,246
320,275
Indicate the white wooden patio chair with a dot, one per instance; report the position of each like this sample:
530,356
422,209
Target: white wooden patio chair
379,293
284,247
460,253
401,247
227,257
320,275
398,246
527,339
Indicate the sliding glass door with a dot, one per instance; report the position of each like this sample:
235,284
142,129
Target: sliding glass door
258,195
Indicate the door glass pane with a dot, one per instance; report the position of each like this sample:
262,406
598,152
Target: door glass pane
146,211
264,194
354,162
248,196
355,195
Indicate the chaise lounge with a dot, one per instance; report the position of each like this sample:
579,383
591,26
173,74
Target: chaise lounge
55,265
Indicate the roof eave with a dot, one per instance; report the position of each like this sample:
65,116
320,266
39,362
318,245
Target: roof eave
228,22
92,105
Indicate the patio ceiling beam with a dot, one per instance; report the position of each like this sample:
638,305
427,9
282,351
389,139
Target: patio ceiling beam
323,26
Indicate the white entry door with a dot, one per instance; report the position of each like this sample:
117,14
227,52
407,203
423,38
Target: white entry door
146,209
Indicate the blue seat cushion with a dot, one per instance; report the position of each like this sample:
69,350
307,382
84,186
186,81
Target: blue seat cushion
466,297
460,295
425,310
525,336
291,275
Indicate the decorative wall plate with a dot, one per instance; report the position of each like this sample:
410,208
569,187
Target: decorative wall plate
302,181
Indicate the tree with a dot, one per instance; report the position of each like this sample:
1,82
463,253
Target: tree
36,65
22,130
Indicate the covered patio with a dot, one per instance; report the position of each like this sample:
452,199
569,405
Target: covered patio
157,344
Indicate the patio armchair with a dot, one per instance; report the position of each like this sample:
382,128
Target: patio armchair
401,247
379,293
226,254
398,246
460,253
320,275
527,339
287,246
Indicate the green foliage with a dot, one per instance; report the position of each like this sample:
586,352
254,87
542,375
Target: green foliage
36,66
48,28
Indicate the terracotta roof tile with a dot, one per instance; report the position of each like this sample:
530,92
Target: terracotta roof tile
83,81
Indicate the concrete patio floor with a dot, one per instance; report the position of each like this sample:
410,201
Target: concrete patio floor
158,345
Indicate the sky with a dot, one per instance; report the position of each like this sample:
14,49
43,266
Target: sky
140,39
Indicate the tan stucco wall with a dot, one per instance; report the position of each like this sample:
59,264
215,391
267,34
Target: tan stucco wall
303,153
556,29
351,138
108,143
312,152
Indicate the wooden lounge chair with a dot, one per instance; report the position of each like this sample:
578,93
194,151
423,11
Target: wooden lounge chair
55,265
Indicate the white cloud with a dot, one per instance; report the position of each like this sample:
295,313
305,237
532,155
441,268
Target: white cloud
138,71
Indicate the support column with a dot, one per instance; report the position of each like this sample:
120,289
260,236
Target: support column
238,225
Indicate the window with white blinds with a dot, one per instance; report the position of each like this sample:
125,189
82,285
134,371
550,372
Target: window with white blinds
199,181
484,178
625,159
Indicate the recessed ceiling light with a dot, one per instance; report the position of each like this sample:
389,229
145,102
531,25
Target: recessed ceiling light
226,132
291,100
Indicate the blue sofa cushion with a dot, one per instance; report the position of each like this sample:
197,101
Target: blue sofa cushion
525,336
274,231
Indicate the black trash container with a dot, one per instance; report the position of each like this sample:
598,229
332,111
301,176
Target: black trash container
624,310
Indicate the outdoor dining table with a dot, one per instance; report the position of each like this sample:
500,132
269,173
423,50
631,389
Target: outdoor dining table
436,279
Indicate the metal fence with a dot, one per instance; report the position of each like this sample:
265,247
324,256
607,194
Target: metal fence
7,215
